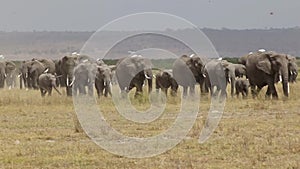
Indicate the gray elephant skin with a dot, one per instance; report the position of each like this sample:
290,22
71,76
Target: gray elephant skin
263,69
233,71
47,81
215,78
242,86
103,80
31,70
11,74
2,74
132,71
67,65
84,76
181,71
164,81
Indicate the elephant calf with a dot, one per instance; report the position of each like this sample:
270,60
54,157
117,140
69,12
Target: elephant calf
242,86
47,81
164,80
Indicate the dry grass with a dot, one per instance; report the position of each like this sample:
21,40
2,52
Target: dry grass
39,132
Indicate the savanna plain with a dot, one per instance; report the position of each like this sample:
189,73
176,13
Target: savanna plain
38,132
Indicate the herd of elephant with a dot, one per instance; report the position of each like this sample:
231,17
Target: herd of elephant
80,74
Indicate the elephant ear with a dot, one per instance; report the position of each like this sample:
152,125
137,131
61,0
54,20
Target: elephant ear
264,65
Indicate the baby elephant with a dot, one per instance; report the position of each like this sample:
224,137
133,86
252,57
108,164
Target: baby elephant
242,86
165,80
46,82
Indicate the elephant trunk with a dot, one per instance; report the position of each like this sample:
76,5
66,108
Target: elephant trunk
53,83
285,80
149,76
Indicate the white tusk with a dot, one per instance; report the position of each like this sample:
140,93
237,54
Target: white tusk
67,80
147,77
5,75
26,75
192,55
203,75
154,76
280,78
46,71
72,81
288,85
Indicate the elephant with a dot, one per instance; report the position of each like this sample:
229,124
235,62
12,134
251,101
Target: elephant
215,78
132,71
84,75
293,69
242,86
24,78
103,80
67,65
47,81
185,64
2,73
48,64
11,74
165,80
58,72
35,69
263,68
232,71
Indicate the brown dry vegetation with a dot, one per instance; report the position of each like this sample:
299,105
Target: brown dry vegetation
39,132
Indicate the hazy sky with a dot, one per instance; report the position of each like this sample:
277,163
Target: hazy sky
89,15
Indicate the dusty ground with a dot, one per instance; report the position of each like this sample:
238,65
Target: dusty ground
39,132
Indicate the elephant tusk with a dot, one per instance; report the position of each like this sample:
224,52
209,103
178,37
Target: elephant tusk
280,78
5,75
67,80
203,75
154,76
46,71
26,75
147,77
72,81
288,87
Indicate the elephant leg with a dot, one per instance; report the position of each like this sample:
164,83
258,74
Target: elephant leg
43,92
268,93
232,86
82,89
69,90
237,93
185,91
273,91
50,91
192,90
253,91
90,90
165,90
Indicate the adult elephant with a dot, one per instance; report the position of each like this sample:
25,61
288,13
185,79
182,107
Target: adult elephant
293,69
48,64
185,64
103,80
232,71
165,80
2,73
35,69
10,71
132,71
262,70
84,76
24,78
215,78
67,65
58,72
